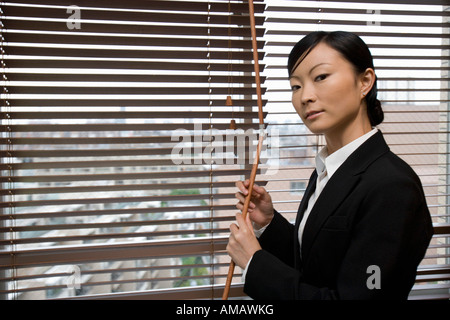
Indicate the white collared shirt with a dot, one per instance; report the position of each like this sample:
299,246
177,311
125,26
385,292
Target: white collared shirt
326,166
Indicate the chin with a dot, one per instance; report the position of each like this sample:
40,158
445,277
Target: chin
316,129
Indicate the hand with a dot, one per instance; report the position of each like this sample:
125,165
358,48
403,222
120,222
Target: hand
260,208
242,243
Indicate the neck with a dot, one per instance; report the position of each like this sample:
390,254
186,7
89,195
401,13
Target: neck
340,138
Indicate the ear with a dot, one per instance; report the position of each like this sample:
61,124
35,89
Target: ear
367,79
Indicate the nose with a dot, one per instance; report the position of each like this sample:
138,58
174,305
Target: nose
307,95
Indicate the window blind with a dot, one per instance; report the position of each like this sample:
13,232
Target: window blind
410,44
108,111
120,153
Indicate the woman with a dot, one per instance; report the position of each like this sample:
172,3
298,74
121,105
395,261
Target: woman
363,225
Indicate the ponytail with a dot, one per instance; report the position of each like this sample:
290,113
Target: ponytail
374,110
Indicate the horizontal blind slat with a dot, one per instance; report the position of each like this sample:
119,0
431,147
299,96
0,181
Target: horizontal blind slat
218,6
92,253
124,176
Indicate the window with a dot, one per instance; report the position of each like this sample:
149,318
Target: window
297,187
110,111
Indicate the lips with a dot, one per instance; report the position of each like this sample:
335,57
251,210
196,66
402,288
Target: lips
313,114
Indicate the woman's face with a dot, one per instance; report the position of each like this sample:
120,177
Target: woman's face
327,93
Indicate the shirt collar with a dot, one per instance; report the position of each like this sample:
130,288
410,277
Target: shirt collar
332,162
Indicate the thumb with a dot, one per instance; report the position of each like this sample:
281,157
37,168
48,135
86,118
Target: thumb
249,224
261,191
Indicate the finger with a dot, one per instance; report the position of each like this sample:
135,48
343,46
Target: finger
234,224
242,199
246,184
258,188
245,226
260,191
239,196
251,205
254,192
233,228
242,187
240,221
249,223
240,207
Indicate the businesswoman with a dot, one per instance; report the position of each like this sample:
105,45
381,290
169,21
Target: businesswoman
363,225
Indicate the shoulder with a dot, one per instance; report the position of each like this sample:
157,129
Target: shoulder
390,180
390,168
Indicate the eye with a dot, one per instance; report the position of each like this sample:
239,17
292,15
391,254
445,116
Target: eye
295,87
321,77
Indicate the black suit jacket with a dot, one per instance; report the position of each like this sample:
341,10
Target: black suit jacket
372,212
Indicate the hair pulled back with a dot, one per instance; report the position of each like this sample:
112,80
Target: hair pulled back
354,50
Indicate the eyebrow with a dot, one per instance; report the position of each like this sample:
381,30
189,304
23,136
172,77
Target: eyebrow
311,70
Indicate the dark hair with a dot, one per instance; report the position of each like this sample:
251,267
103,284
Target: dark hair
353,49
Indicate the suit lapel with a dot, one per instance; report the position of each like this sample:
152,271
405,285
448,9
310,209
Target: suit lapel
304,203
340,185
301,210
